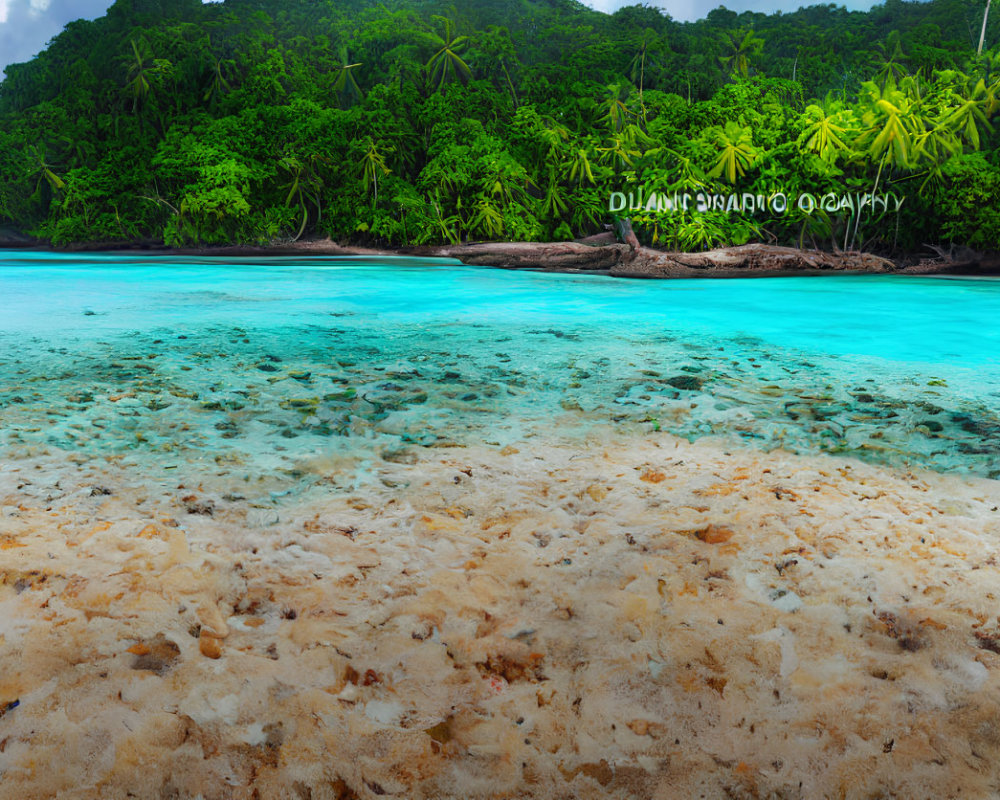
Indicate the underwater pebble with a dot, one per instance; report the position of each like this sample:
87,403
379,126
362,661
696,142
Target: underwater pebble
209,646
157,655
688,383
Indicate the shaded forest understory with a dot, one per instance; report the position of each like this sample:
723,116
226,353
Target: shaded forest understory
415,122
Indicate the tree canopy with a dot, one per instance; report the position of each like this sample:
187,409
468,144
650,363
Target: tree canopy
419,121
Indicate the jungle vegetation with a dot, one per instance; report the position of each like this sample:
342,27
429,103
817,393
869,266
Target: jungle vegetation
422,121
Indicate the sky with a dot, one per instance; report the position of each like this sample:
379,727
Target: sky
27,25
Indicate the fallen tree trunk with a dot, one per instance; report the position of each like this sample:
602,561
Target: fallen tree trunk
748,259
555,256
620,260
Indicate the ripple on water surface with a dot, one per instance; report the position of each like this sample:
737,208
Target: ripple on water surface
272,362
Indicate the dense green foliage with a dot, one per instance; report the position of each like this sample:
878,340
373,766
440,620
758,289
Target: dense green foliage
413,121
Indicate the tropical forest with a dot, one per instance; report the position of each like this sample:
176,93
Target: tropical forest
413,122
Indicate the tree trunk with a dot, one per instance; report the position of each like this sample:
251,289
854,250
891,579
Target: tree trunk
982,35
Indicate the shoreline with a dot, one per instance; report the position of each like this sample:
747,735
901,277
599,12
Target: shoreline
596,255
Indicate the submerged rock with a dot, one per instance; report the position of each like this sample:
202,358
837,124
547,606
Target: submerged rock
400,456
302,403
687,383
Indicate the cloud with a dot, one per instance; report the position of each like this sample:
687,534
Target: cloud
26,26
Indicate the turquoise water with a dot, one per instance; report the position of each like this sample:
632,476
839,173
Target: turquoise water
271,361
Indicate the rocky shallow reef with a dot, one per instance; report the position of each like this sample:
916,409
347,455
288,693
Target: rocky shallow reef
236,396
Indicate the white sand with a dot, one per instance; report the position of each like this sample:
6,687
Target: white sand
647,618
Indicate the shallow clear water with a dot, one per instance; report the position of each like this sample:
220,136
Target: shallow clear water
271,362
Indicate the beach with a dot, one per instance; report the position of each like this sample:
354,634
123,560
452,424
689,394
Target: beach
640,617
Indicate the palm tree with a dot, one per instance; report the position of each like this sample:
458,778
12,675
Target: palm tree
893,134
589,210
578,167
43,172
890,125
742,46
552,134
982,33
506,180
371,164
446,60
344,84
304,187
970,113
737,153
686,176
624,146
143,72
893,62
487,218
637,67
934,141
218,84
444,226
554,204
827,131
616,111
495,44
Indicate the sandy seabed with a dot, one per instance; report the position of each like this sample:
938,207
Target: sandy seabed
639,618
